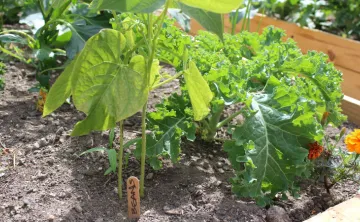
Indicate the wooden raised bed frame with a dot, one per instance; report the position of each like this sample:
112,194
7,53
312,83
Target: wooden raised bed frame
344,53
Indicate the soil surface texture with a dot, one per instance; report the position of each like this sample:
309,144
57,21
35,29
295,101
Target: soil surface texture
43,178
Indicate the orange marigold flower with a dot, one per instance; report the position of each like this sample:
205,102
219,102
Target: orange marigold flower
315,150
352,141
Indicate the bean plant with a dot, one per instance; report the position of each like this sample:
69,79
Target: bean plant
110,79
264,93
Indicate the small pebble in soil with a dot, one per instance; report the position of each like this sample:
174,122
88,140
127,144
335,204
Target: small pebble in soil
206,165
42,176
210,156
277,214
78,208
221,171
219,164
225,167
36,146
149,176
51,218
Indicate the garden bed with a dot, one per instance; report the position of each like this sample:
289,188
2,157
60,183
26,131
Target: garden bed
42,178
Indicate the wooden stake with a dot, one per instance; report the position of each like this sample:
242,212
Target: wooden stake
133,197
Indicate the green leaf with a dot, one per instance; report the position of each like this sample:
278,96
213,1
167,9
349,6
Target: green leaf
60,90
112,155
131,142
169,123
111,138
199,92
108,171
96,149
11,38
275,146
99,79
81,32
209,20
217,6
136,6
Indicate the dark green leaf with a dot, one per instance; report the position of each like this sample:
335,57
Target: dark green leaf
209,20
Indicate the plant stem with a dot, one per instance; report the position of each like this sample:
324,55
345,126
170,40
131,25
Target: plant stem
120,158
213,121
167,81
228,119
234,21
42,10
143,150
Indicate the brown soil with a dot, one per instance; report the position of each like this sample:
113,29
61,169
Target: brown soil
44,179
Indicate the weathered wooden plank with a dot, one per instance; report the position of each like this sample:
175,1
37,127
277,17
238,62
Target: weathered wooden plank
351,108
344,212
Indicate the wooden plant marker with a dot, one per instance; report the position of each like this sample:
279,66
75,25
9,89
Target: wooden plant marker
133,197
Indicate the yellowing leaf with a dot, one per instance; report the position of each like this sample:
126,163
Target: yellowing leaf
218,6
199,91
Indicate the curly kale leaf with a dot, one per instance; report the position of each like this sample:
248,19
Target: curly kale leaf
272,142
172,119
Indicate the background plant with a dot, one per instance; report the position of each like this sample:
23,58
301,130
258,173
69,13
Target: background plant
56,25
337,17
336,164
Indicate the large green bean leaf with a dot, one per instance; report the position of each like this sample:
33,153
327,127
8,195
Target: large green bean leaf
106,90
199,92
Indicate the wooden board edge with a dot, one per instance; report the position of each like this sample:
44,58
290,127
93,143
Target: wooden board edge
351,108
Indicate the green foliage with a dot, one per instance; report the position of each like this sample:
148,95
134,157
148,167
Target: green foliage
281,95
335,164
56,24
2,72
172,120
98,74
10,10
217,6
337,17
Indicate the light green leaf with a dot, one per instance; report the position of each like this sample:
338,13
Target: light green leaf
209,20
60,90
108,171
95,149
99,79
199,92
101,100
137,6
112,159
217,6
